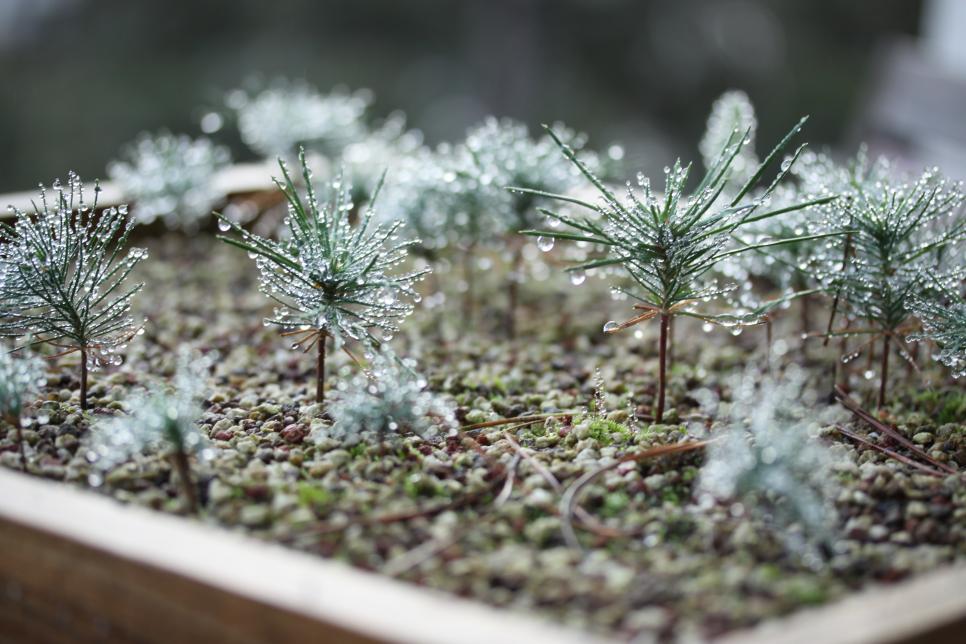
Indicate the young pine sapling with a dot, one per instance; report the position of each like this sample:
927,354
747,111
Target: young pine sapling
330,278
162,422
64,277
501,154
391,399
770,458
20,379
668,244
786,266
891,254
286,114
942,313
170,178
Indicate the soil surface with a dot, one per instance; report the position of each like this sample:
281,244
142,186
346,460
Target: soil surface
478,513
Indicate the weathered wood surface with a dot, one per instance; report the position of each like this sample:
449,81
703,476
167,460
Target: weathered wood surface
930,609
241,178
77,566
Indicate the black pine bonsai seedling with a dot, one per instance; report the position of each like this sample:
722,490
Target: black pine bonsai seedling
499,154
943,318
20,377
898,232
668,244
330,278
64,277
162,422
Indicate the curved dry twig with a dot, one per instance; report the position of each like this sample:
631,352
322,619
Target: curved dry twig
569,500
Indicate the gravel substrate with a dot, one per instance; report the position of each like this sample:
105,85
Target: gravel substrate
441,512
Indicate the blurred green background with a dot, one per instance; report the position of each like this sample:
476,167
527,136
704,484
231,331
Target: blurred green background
82,77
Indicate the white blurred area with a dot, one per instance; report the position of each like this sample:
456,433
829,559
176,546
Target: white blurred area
915,108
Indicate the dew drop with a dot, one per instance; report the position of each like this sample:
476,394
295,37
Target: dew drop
611,326
578,277
545,243
223,225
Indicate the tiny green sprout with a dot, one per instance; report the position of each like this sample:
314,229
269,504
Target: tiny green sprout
769,460
900,233
391,399
161,422
284,115
942,312
331,279
669,244
169,177
64,277
20,379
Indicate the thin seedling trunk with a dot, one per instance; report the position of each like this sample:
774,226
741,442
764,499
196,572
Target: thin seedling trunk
320,371
83,379
805,317
513,292
469,276
670,340
662,368
768,340
179,460
912,359
885,371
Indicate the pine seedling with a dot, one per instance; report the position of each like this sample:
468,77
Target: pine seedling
386,147
169,177
783,265
65,277
898,231
20,379
392,399
286,114
163,422
419,195
331,279
499,154
504,155
942,313
669,244
789,267
770,458
732,111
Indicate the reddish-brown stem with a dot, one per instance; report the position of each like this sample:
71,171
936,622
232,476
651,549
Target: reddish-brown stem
670,340
513,292
768,339
469,295
662,369
179,459
913,358
805,318
838,291
83,378
320,371
885,371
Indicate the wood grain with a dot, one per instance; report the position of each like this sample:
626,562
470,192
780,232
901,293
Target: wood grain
79,567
